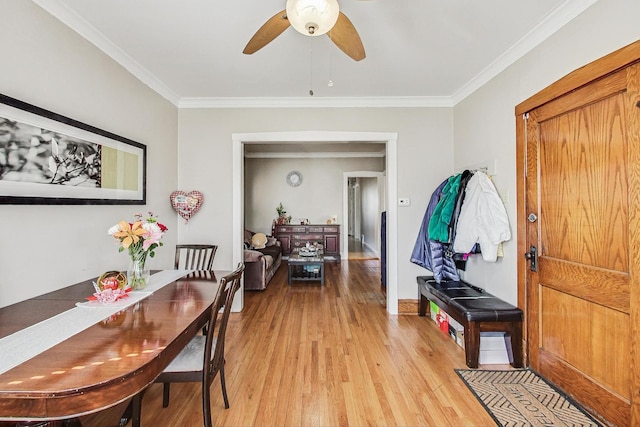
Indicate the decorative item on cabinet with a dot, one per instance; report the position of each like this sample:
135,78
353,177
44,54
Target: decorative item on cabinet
297,236
282,215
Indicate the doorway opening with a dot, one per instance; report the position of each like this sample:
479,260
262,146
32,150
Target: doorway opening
363,203
390,141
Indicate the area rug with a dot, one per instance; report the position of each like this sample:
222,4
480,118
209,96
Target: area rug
522,398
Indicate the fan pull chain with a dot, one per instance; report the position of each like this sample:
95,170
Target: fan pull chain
310,66
330,82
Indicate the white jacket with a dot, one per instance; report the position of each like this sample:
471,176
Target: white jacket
483,219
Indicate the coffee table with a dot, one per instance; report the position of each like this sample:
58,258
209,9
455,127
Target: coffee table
305,268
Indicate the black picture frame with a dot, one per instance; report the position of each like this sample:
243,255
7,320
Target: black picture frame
50,159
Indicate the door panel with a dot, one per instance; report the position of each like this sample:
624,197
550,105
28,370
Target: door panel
589,337
578,184
583,190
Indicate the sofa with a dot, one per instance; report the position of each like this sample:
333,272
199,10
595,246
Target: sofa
262,257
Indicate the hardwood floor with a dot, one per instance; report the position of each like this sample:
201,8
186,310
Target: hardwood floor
311,355
357,250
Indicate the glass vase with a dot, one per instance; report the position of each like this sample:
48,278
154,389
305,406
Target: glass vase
138,274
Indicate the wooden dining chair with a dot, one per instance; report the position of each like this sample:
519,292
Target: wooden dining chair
195,257
203,357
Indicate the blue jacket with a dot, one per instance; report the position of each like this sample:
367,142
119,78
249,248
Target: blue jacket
430,254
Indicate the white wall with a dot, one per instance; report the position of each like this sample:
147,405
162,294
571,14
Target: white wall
317,199
370,212
205,152
484,123
46,64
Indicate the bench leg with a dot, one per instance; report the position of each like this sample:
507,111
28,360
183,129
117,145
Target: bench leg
516,343
472,344
423,306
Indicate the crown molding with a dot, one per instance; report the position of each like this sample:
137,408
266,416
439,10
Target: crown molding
71,19
545,29
551,24
318,102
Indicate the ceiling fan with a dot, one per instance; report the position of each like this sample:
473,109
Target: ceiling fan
311,18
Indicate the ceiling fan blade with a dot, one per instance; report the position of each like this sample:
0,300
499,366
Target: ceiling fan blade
345,36
269,31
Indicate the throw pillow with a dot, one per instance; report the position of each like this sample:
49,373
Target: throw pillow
259,240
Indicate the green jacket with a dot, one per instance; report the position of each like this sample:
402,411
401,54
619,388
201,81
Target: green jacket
441,218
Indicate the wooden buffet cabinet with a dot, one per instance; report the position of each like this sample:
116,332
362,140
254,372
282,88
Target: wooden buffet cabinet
296,236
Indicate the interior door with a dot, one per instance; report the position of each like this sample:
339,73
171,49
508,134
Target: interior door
582,203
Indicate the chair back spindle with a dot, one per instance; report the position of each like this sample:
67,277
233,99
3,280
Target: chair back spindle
195,257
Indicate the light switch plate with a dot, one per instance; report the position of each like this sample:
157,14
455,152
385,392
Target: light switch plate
404,202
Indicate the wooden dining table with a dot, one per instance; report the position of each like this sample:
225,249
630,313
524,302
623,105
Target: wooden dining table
110,361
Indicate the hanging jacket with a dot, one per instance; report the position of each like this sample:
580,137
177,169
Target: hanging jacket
457,206
430,254
439,222
459,259
483,219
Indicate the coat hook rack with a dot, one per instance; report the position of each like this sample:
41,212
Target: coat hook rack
487,166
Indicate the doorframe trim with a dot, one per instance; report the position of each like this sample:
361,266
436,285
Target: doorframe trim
607,64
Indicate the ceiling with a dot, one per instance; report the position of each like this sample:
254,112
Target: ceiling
419,52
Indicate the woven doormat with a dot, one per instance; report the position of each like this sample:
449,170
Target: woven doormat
522,398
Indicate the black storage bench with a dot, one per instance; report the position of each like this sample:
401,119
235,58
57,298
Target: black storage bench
476,310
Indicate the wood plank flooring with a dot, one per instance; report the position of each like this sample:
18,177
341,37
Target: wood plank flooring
357,250
311,355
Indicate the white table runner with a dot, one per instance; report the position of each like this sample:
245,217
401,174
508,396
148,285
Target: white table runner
29,342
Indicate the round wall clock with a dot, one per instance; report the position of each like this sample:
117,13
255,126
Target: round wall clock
294,178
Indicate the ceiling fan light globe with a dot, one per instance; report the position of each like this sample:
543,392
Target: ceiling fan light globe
312,17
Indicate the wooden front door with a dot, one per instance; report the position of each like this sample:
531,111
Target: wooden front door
582,198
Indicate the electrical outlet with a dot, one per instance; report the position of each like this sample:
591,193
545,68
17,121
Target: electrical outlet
404,202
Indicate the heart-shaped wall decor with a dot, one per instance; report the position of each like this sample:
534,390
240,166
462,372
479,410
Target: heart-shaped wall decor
186,204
